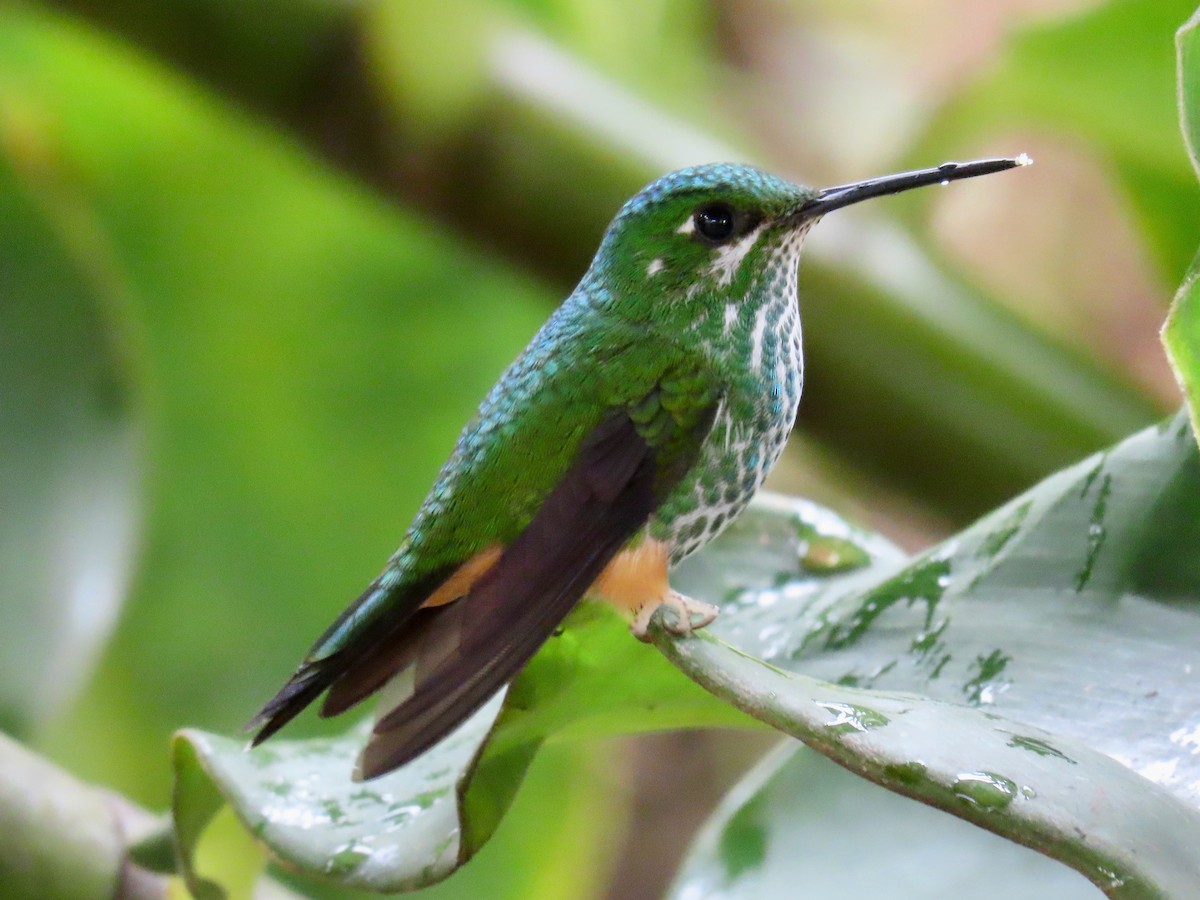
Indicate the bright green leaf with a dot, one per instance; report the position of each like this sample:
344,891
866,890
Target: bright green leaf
1187,58
1181,337
1181,334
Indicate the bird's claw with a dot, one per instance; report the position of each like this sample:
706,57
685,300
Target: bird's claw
688,615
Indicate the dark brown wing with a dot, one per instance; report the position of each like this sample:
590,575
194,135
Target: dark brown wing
475,645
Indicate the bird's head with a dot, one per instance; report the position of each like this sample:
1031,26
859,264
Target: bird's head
697,240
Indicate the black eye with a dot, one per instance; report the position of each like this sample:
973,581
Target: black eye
715,222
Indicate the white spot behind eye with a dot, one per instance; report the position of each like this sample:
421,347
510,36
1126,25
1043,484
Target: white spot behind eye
656,266
688,226
729,257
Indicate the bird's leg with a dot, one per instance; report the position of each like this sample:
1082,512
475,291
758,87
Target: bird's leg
687,615
636,581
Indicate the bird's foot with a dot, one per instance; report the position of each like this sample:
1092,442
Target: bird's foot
687,615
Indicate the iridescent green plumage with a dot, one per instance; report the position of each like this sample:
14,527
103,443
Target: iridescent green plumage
650,407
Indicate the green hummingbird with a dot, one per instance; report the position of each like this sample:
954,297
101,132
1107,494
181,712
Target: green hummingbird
636,425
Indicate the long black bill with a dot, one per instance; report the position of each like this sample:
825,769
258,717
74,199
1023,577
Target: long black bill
844,194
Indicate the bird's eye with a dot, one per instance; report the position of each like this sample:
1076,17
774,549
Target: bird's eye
715,222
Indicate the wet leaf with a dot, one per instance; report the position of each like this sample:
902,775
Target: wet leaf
1128,836
1073,612
394,833
786,824
1075,607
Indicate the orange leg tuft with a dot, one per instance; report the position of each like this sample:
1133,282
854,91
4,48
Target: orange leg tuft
636,582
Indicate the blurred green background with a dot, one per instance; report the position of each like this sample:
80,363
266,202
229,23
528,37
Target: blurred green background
260,260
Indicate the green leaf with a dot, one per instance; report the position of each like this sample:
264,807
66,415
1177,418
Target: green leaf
1073,612
1075,607
1128,836
1181,337
70,480
1181,333
788,824
394,833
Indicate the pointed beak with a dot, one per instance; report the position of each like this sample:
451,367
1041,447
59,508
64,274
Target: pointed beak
845,194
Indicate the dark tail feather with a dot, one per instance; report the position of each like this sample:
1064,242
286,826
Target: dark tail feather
367,674
302,689
386,615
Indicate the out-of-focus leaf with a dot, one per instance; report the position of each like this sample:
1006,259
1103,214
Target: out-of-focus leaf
798,820
1187,58
63,839
1104,75
310,355
1181,334
69,431
264,53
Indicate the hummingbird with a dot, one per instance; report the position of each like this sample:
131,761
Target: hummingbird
635,426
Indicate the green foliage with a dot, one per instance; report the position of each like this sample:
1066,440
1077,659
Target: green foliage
259,342
69,460
1181,334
